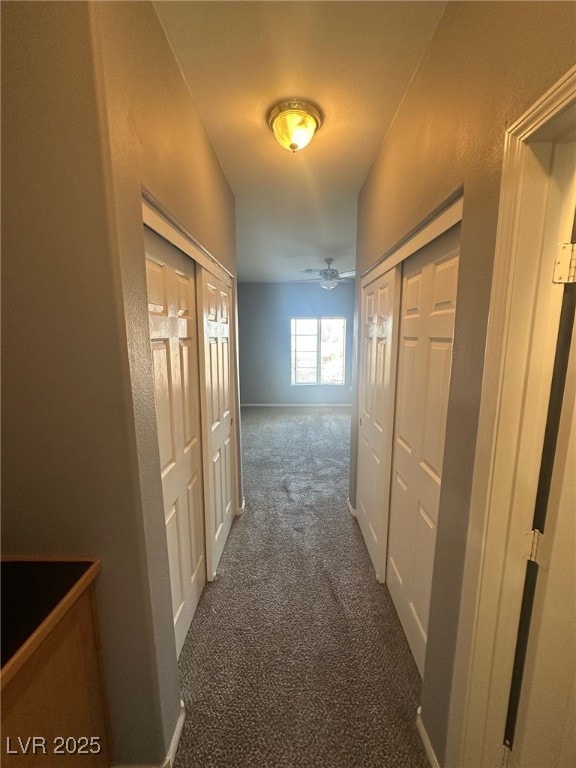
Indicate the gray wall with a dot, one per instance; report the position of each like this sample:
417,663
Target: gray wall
264,313
486,64
94,106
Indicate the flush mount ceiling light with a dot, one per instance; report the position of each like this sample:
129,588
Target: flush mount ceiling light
294,123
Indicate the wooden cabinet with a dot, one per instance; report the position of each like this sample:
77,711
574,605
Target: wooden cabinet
53,702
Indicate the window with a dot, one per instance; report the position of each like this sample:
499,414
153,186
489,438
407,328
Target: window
318,345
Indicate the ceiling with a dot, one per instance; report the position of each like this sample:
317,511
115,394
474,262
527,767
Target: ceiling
353,59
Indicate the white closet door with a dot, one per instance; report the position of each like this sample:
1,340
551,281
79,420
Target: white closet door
216,379
380,299
545,733
174,339
424,359
546,727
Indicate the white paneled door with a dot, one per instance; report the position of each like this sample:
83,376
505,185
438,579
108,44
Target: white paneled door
380,298
546,727
424,360
216,392
174,339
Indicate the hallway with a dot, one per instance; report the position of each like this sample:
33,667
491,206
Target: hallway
295,656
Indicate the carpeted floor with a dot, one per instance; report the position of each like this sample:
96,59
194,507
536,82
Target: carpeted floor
295,657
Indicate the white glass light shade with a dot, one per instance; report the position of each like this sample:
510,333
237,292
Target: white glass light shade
328,284
294,123
294,129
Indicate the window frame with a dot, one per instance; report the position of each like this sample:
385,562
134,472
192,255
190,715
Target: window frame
293,351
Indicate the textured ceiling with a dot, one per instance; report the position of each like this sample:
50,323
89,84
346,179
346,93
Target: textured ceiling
354,59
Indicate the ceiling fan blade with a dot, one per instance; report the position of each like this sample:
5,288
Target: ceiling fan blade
348,273
312,271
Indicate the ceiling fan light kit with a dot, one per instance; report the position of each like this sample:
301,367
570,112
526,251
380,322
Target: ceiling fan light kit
329,278
294,123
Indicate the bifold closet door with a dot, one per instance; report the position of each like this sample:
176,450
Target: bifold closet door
215,304
428,303
173,334
380,299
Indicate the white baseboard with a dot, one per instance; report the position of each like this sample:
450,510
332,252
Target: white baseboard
295,405
242,508
425,740
170,758
351,508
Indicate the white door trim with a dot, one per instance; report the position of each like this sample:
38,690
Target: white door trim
156,219
440,224
513,385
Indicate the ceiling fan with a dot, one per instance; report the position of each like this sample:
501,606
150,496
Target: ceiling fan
330,277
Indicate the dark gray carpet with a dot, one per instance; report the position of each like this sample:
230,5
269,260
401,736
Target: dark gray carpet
295,656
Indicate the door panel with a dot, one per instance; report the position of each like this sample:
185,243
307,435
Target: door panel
213,376
163,399
404,394
423,564
377,359
215,386
174,340
436,404
424,360
173,534
189,385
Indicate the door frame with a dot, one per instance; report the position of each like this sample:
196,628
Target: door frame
515,391
446,218
156,218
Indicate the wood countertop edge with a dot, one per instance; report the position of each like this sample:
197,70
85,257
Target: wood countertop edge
26,650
